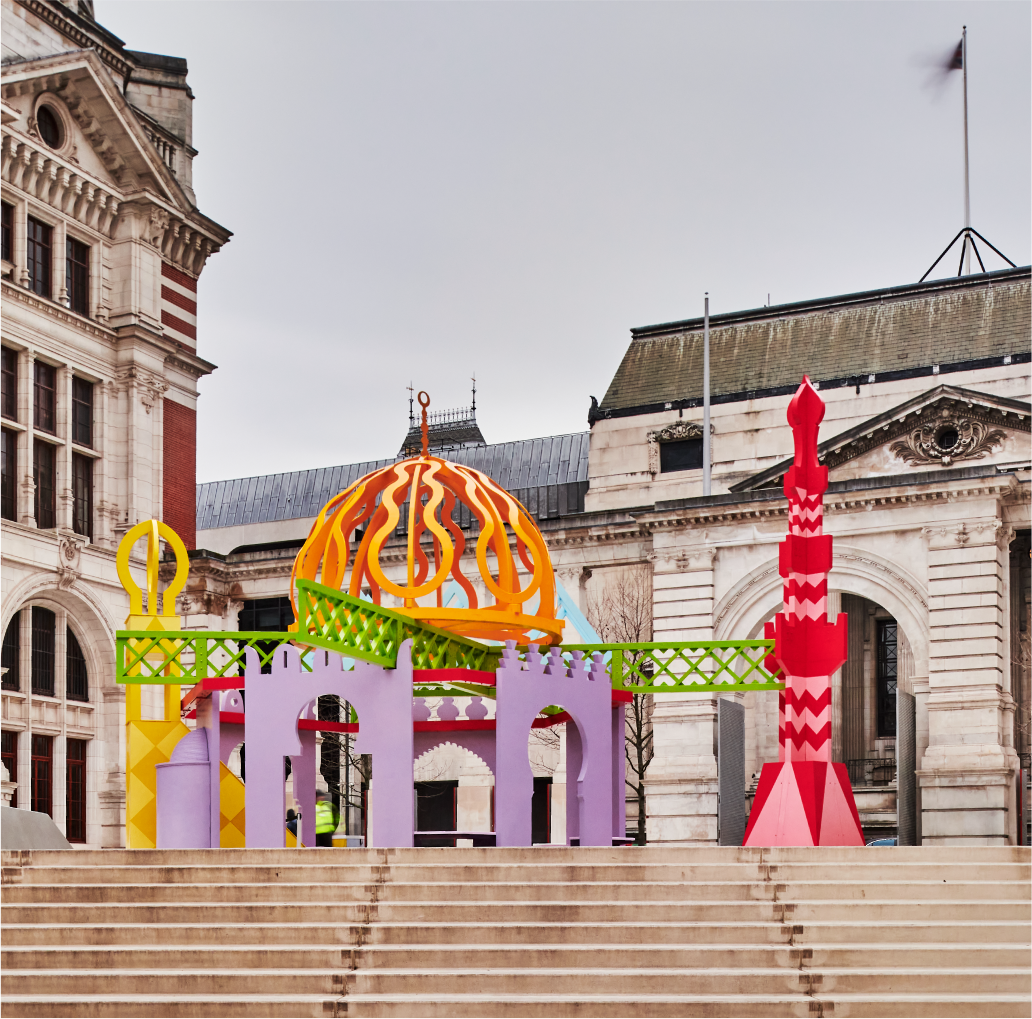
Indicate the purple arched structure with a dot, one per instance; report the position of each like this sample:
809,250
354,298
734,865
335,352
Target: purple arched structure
280,722
382,698
583,689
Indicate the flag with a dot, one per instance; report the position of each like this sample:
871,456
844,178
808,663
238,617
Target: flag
955,62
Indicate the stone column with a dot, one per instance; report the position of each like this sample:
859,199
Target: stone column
681,783
967,772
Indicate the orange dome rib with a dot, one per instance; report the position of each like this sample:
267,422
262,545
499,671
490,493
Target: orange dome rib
427,489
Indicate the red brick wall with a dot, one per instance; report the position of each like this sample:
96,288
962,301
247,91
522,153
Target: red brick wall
180,471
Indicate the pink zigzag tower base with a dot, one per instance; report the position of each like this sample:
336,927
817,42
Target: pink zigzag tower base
805,799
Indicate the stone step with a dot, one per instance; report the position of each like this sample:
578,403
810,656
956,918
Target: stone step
502,982
651,1006
298,873
538,956
685,956
695,980
308,980
176,1006
435,857
695,1006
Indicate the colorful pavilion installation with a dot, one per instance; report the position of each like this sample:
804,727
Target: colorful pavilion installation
805,799
386,663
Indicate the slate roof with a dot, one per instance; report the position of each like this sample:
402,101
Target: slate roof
549,476
877,332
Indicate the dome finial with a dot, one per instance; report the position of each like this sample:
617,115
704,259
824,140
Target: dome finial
424,402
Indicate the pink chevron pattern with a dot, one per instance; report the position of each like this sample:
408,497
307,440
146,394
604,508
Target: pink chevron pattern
808,648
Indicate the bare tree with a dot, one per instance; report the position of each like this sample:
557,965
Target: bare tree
621,613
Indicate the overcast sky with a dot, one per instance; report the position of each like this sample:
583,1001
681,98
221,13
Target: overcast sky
421,191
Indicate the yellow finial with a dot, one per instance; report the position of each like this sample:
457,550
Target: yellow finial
154,529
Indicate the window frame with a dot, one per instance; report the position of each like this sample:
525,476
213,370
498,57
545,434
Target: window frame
7,232
44,497
669,446
44,659
10,656
9,474
9,384
39,257
82,406
77,276
75,826
46,759
82,495
77,670
40,389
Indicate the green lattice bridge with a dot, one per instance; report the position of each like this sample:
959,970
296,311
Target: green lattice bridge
354,628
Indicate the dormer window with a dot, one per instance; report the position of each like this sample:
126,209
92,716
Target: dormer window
49,125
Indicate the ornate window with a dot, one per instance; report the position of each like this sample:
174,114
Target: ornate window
678,447
12,657
49,125
43,774
43,396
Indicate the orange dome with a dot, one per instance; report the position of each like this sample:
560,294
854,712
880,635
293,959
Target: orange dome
426,489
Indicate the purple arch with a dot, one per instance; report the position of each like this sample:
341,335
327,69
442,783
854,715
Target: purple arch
383,699
523,689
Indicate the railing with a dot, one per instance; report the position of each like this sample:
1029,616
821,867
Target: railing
873,771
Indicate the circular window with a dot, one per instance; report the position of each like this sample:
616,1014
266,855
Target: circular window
49,125
947,438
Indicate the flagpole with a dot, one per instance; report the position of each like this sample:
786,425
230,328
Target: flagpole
967,171
706,474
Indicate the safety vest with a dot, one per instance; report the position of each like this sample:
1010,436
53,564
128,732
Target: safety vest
326,816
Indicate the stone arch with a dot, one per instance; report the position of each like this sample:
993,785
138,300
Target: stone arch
757,596
89,618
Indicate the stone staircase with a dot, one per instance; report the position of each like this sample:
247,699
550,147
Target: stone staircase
518,932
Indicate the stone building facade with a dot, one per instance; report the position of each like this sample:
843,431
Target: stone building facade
102,248
926,437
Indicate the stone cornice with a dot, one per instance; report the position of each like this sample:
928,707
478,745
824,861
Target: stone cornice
16,293
775,505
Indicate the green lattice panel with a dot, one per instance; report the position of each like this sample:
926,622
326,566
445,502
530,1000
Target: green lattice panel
688,666
188,656
339,622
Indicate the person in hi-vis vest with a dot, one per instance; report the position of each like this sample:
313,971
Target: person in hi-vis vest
327,817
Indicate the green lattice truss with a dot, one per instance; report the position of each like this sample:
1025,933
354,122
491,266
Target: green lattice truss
354,628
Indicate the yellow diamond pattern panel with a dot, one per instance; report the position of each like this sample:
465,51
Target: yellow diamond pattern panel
231,810
147,744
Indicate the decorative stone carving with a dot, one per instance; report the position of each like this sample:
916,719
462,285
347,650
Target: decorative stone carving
946,438
674,432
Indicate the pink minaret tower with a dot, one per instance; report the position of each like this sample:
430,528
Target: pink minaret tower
805,799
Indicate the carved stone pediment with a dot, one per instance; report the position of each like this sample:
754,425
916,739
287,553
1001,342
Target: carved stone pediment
945,437
941,428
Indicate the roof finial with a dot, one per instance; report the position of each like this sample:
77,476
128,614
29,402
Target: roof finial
411,414
424,402
474,407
